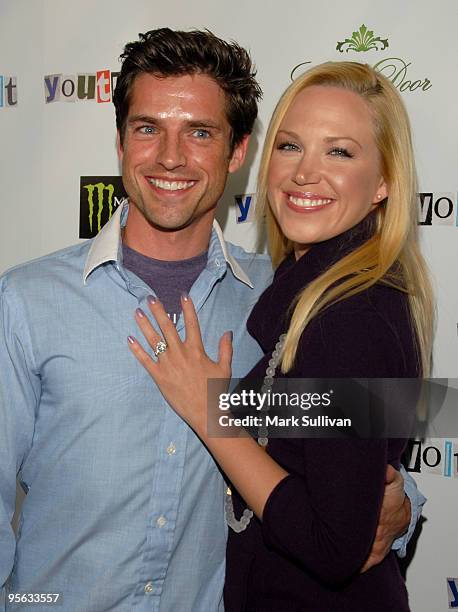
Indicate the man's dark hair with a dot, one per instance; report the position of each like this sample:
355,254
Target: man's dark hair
164,52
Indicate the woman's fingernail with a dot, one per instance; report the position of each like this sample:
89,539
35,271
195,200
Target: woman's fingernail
185,296
140,313
131,340
151,299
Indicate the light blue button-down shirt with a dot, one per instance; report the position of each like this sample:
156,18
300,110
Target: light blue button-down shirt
125,506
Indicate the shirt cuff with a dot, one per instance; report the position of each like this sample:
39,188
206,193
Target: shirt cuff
417,500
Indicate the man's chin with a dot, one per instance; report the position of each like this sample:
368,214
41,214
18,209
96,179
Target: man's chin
169,225
167,220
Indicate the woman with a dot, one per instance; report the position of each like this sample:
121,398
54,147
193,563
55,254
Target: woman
350,298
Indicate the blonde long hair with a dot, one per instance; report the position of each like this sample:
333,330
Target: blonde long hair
391,255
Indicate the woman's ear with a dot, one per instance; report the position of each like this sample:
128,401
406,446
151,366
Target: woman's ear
381,193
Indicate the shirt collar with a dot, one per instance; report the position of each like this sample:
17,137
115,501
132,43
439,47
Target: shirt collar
236,268
106,245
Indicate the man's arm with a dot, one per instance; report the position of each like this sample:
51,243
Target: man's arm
19,394
401,509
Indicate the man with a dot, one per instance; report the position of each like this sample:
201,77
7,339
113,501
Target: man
124,505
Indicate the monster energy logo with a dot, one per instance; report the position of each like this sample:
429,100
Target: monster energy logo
100,187
100,196
362,40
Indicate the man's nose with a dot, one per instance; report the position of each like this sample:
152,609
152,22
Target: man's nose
171,152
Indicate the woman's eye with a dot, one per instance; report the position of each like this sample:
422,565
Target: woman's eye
340,152
288,146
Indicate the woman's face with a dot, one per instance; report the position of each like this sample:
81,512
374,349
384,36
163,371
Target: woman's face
324,174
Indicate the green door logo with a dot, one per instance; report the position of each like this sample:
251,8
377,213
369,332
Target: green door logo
396,69
362,40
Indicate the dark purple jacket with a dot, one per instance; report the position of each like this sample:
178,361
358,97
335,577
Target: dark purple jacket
320,521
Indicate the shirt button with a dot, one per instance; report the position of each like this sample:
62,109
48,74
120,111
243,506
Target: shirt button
161,521
171,449
217,263
148,588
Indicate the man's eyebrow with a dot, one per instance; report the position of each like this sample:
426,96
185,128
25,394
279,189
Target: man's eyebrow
194,123
204,123
141,119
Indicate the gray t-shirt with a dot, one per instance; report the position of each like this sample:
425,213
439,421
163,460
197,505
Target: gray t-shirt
168,279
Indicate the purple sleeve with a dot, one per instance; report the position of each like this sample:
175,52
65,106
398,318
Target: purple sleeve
326,519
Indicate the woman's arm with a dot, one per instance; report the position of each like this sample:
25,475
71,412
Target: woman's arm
326,519
337,501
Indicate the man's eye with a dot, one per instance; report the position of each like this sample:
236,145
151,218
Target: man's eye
340,152
288,146
201,134
147,129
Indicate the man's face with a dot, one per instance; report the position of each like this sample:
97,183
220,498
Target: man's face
176,151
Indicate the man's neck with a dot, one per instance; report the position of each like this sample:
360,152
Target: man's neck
176,245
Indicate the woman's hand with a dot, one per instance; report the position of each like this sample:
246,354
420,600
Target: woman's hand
183,369
181,372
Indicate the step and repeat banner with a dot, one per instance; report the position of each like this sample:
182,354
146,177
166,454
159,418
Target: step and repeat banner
59,173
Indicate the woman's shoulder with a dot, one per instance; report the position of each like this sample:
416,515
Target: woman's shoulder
379,298
384,307
368,334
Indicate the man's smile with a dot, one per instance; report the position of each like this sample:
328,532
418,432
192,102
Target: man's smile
166,185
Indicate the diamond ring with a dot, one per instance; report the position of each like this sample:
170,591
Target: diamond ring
161,347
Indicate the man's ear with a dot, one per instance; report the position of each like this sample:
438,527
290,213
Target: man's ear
238,154
119,146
